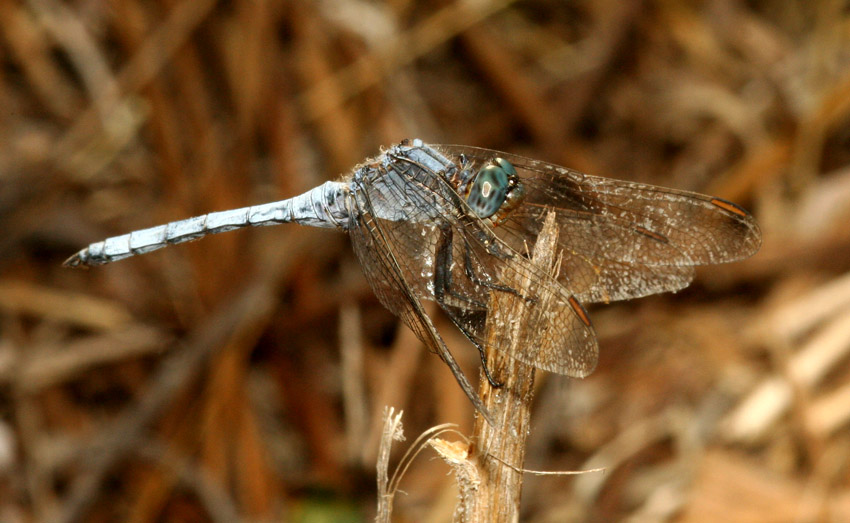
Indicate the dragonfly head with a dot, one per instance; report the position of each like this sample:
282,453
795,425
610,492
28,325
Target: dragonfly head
496,183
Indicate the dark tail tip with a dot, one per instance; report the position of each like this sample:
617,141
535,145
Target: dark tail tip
75,261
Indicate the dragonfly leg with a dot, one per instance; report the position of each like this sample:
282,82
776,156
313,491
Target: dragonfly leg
442,286
481,352
493,383
443,273
470,273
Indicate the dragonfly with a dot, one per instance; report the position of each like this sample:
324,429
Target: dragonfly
452,224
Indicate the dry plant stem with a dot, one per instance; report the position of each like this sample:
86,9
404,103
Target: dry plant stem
354,396
392,431
497,498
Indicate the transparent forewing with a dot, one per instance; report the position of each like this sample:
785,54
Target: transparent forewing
591,275
621,239
457,261
485,264
387,280
384,274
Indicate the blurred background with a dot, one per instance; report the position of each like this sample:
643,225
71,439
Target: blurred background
244,376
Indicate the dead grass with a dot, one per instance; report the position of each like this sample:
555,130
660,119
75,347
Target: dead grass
223,392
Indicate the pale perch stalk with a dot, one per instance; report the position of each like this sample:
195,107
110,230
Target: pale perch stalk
497,498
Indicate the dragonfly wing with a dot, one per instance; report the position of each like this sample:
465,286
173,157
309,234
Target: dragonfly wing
485,266
590,273
379,256
622,239
459,263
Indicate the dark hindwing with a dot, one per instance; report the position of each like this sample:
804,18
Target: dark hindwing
621,239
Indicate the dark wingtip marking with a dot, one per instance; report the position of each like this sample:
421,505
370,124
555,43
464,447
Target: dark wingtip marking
579,309
729,206
654,235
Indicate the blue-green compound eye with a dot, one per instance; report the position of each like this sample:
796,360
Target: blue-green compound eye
490,188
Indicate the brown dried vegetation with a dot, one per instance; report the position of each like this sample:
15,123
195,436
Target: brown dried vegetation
243,377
